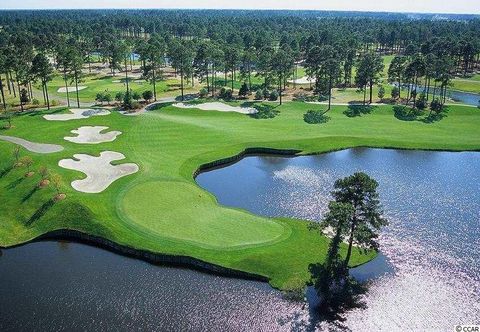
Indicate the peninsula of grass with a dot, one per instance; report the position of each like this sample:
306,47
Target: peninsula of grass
161,209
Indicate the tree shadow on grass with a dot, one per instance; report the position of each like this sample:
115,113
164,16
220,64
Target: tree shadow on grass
14,184
41,211
358,110
5,171
316,117
404,113
263,111
30,194
158,106
435,117
43,112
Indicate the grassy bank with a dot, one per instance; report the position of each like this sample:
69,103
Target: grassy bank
161,209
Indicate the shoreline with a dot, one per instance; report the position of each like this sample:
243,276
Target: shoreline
150,257
292,153
188,261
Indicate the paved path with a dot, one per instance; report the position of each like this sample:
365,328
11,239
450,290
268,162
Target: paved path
32,146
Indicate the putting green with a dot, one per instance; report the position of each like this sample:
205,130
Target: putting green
174,213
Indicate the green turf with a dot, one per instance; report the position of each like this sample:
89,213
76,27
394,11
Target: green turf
106,84
183,202
161,208
471,84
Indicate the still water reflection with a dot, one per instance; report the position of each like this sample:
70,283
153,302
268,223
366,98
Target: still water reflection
57,286
431,248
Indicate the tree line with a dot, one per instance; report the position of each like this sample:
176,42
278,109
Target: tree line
221,47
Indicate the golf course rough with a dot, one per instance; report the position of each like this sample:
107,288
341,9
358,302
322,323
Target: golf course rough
160,209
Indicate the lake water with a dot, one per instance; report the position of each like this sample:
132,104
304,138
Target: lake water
59,286
426,279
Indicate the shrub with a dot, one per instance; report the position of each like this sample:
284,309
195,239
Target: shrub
136,105
265,112
7,115
27,162
421,102
381,92
203,92
147,95
300,96
266,94
127,101
436,106
259,95
24,98
35,102
322,98
57,182
100,97
395,92
53,102
44,172
136,96
226,94
273,95
313,117
108,98
119,96
243,90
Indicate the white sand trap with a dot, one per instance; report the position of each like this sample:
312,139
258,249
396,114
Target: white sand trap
303,80
71,89
217,106
75,114
100,173
31,146
92,135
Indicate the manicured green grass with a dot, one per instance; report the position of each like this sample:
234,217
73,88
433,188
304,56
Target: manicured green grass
161,209
107,84
467,84
184,202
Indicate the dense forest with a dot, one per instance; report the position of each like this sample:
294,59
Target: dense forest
336,49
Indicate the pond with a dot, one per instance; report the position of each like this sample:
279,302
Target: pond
428,276
467,98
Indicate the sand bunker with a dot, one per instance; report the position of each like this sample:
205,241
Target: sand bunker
217,106
303,80
76,113
99,170
71,89
31,146
92,135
